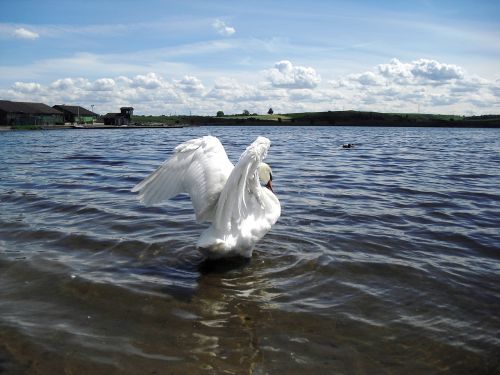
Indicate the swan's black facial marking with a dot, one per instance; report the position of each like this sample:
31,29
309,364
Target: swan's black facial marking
269,185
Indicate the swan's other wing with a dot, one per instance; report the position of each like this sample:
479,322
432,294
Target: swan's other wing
245,211
198,167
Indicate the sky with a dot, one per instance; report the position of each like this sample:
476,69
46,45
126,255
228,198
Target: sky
199,57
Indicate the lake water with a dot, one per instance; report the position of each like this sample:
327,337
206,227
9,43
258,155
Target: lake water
386,258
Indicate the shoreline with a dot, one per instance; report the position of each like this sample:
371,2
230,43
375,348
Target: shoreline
332,118
250,123
300,120
90,127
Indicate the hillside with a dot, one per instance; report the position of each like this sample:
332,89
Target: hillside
331,118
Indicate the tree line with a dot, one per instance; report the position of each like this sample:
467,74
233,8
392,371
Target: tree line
244,113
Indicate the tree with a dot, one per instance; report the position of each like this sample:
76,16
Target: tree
220,114
270,112
246,113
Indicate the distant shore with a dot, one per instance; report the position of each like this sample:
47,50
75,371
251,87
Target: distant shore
87,127
330,118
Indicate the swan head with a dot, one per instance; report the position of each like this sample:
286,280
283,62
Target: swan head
266,175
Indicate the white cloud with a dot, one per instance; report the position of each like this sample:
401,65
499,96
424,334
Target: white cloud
405,86
420,71
70,83
103,84
124,80
190,84
396,71
148,81
442,99
495,88
62,84
436,71
223,29
395,86
149,93
232,91
26,87
23,33
468,85
286,75
483,101
342,83
368,79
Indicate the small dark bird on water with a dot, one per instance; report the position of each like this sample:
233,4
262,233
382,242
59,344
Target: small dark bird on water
348,145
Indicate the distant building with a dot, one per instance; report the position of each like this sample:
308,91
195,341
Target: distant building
118,119
74,113
24,113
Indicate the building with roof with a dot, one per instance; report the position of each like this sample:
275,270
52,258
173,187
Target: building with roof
76,114
25,113
119,119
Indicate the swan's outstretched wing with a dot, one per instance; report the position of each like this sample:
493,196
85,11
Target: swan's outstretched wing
242,185
245,210
198,167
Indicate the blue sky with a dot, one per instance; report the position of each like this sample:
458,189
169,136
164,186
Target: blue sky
166,57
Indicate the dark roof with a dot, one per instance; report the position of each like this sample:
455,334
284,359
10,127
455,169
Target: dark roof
28,108
75,110
108,115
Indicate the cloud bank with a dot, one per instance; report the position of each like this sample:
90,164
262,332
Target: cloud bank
396,86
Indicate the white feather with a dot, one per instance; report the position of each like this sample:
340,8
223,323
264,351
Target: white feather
199,167
240,209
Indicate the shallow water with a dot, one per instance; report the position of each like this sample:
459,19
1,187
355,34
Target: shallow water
386,259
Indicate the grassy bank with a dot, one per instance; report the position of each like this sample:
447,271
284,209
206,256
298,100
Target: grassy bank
330,118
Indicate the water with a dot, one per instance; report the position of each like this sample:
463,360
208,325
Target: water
385,259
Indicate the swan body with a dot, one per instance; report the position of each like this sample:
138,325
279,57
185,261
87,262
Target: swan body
231,198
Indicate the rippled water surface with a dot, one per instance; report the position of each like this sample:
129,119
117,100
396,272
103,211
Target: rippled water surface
386,259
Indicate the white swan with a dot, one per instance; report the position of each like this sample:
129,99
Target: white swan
240,210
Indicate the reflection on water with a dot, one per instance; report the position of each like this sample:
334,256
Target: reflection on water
385,258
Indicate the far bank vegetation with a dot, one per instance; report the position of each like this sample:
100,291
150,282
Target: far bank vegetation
330,118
